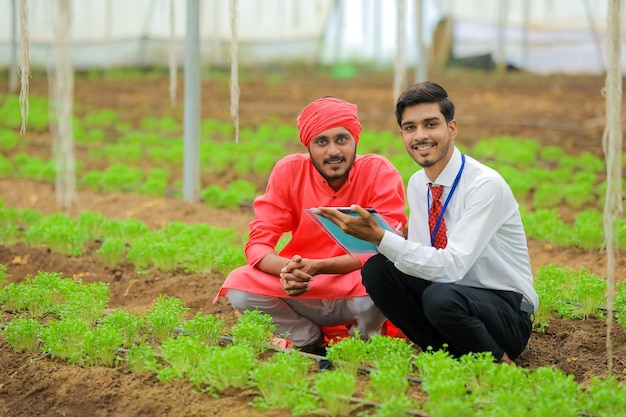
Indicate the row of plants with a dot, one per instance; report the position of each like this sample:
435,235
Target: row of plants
169,248
540,176
575,294
202,248
194,248
127,179
56,316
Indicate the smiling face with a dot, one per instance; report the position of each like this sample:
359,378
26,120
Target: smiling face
333,152
427,137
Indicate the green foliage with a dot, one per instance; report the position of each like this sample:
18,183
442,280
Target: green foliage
283,383
183,354
129,326
86,302
569,293
578,194
142,358
22,334
101,345
254,330
6,167
239,192
59,232
64,339
387,383
34,168
588,230
225,368
547,195
605,397
546,225
112,250
164,316
619,303
9,140
390,352
335,389
207,328
348,354
3,275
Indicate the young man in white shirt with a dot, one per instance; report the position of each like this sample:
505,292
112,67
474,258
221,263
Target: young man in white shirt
461,281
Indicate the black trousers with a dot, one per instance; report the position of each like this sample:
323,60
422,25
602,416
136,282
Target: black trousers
465,319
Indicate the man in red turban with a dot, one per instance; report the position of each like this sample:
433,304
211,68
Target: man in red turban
313,282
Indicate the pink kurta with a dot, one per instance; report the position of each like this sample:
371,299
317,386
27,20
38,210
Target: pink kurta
295,185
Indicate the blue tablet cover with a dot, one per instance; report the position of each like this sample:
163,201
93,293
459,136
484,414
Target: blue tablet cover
350,243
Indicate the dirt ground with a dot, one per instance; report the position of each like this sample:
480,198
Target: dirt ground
558,110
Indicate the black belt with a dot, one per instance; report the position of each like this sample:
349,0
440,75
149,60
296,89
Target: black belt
527,307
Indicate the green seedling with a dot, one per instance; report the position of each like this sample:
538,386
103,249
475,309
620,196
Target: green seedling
335,389
112,250
206,328
102,344
64,339
129,325
23,334
283,382
348,354
164,316
183,354
225,367
254,330
142,358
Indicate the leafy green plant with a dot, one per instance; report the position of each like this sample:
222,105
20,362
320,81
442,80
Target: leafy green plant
34,168
59,232
225,367
619,303
3,275
101,345
207,328
86,302
64,339
584,293
164,316
183,354
385,352
142,358
129,325
6,167
387,383
22,334
112,250
348,354
335,389
283,383
605,397
254,330
24,297
587,231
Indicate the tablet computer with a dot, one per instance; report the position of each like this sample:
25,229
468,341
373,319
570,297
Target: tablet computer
350,243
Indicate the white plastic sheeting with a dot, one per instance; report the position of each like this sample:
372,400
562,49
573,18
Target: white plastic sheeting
136,32
564,36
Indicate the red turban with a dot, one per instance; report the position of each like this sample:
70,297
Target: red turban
327,113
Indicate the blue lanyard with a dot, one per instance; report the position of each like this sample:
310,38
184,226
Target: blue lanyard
445,205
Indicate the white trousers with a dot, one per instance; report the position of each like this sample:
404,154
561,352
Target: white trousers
299,319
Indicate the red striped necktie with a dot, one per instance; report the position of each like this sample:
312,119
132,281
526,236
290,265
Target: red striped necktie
440,240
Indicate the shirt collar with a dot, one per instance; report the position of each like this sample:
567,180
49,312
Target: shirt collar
447,176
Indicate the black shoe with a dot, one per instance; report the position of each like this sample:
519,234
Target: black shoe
325,365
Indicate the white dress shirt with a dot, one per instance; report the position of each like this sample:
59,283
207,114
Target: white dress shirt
486,240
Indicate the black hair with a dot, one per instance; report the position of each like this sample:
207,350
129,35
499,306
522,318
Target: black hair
425,92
